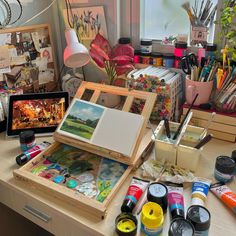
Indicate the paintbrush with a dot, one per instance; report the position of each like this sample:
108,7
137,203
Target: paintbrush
207,125
204,141
167,127
183,121
187,8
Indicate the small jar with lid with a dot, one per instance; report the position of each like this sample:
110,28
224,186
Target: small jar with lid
224,169
124,48
233,156
146,46
157,59
200,218
179,52
181,227
168,60
145,58
27,140
210,50
137,58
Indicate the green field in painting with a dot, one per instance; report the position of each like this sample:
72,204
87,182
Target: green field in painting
76,128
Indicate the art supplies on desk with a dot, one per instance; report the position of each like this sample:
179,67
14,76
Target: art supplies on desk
64,169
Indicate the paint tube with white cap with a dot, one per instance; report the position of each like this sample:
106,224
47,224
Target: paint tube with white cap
200,189
225,194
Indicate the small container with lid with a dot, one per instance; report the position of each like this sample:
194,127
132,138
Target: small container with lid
200,218
181,227
145,58
157,193
211,50
157,59
179,52
124,48
168,60
146,46
152,219
27,140
137,56
224,169
233,156
126,224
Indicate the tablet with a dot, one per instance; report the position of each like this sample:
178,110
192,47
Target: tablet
40,112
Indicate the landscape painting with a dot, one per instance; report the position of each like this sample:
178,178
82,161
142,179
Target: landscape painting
82,119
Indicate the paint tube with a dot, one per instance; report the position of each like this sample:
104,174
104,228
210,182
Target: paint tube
200,189
175,200
135,191
225,194
31,153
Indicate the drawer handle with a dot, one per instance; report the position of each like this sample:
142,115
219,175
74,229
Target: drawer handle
42,216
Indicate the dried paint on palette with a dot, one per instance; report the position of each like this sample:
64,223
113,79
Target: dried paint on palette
81,171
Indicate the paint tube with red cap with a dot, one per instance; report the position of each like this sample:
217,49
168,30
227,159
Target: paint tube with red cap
134,193
225,194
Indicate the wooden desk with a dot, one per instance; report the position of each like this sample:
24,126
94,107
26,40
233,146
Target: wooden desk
67,220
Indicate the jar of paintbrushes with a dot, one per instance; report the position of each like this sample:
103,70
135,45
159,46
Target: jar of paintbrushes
199,80
201,18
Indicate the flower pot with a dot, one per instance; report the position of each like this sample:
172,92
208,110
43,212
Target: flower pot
109,100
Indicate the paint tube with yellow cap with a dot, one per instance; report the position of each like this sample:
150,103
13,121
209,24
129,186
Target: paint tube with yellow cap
200,189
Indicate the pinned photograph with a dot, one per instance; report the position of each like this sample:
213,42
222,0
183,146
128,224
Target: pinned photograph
82,119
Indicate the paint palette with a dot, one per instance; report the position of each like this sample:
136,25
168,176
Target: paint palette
81,171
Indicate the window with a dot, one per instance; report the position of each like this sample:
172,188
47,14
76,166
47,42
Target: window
162,18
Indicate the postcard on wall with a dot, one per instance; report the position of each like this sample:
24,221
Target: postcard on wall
88,21
102,126
4,59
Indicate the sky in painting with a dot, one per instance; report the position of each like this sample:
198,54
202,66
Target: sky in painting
86,111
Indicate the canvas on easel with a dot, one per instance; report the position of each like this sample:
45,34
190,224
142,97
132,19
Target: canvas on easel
102,126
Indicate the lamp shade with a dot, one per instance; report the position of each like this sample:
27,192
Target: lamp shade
75,54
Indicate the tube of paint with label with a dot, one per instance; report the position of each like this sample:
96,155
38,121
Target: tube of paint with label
200,189
175,200
135,191
31,153
225,194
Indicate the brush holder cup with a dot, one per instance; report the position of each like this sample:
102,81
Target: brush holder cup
184,154
203,89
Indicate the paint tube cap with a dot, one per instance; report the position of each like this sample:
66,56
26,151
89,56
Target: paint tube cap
157,193
177,213
181,227
21,159
127,206
225,164
200,217
152,215
126,224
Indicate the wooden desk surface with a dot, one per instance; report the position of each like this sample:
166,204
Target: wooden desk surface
223,221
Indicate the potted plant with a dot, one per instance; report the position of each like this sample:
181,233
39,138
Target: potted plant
227,26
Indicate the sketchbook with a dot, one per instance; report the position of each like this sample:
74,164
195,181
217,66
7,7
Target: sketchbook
101,126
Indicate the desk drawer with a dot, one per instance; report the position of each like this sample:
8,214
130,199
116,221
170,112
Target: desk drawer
41,214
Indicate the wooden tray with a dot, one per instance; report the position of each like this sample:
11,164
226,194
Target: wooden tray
79,200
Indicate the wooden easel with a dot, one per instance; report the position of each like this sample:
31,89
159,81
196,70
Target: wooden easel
92,206
149,99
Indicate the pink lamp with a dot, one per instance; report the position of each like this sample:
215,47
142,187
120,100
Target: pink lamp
75,54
